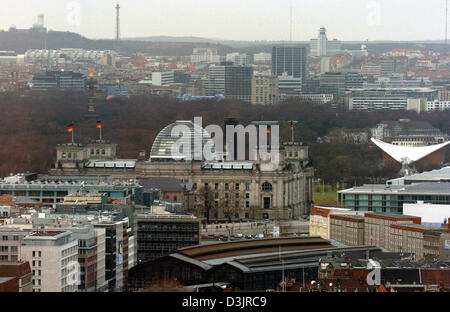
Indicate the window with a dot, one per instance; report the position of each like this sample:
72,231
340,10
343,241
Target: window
216,186
92,151
267,187
247,204
247,195
266,202
247,187
226,186
98,152
237,186
5,237
103,152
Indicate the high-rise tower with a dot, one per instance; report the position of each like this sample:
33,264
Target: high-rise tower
117,22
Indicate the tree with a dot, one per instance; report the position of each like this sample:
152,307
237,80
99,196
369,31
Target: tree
207,204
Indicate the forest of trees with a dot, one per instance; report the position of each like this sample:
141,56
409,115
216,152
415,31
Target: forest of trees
32,125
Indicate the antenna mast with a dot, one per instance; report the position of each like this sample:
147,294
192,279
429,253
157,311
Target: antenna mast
117,22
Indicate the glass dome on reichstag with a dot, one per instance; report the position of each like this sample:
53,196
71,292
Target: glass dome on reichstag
176,142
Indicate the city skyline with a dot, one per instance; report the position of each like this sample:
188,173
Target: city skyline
365,20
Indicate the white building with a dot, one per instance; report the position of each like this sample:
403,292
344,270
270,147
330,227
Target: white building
437,105
262,58
324,47
238,58
206,55
288,83
163,78
53,257
215,83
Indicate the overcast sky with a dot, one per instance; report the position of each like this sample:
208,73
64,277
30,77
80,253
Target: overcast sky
236,19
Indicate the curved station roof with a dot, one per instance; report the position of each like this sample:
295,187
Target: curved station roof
408,154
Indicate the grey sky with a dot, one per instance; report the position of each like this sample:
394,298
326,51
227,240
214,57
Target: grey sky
236,19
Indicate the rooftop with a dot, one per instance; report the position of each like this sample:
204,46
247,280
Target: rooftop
423,188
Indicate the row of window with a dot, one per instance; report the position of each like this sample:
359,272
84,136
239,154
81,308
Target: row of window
6,238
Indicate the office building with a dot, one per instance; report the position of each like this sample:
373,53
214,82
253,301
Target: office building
290,62
117,251
206,55
437,105
390,198
11,243
238,83
163,78
51,190
215,83
58,79
388,66
159,234
319,219
347,229
334,83
52,256
384,98
324,47
238,58
262,58
444,95
265,89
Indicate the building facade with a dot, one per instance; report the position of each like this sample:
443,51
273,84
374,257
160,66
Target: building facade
244,187
265,90
161,234
52,256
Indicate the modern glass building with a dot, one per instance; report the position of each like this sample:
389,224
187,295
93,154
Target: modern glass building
290,60
390,198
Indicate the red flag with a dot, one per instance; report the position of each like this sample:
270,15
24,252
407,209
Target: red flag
268,129
99,124
70,128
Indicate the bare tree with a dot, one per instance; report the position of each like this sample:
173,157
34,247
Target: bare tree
207,205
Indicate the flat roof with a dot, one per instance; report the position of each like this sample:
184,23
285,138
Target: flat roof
422,188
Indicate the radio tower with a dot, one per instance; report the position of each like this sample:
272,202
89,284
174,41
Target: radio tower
446,20
117,22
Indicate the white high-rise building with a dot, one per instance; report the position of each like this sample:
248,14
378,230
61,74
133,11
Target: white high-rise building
323,47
